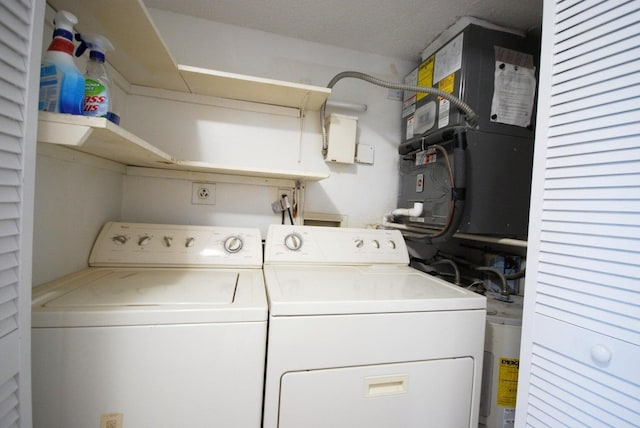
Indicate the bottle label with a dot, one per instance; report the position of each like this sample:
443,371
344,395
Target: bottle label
96,99
49,80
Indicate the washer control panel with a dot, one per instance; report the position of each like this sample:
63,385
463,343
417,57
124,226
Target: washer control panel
143,244
337,246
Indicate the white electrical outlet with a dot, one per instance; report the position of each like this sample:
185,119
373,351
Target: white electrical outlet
203,193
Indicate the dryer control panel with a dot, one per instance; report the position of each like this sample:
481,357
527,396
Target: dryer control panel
143,244
334,246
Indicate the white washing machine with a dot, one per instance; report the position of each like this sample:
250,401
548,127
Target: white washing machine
357,338
166,328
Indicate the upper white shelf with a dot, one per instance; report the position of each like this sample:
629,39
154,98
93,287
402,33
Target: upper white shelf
142,58
256,89
102,138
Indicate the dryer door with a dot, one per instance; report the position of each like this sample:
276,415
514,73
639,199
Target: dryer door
404,395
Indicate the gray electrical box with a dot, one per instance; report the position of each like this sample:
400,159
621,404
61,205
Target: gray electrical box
494,72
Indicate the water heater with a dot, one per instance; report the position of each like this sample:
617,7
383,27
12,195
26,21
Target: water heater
501,363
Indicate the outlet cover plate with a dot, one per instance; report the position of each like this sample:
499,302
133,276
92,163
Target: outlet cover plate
203,193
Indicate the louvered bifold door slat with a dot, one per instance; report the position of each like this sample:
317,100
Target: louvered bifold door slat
593,179
15,28
586,227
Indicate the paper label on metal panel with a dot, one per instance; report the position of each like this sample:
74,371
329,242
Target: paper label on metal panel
514,88
425,76
507,382
409,133
448,59
508,418
426,157
447,84
409,101
443,113
409,110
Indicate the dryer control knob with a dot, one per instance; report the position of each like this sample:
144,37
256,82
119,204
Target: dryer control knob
376,243
359,243
119,239
233,244
168,240
190,242
144,240
392,244
293,241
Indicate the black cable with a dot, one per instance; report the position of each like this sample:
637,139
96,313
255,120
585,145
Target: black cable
290,216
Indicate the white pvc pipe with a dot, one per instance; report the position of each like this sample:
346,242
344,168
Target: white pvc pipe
411,212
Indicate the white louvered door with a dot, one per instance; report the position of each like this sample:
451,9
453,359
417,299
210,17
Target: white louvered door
20,46
580,349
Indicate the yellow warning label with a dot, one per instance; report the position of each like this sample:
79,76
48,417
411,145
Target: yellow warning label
425,76
507,382
446,84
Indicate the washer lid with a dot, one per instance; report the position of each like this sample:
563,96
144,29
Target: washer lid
131,287
313,290
136,296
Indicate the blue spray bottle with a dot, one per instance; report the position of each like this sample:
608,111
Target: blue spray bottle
61,83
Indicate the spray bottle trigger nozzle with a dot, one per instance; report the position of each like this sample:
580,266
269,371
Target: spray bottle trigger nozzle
81,47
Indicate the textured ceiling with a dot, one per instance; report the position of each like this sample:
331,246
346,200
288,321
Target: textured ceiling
400,28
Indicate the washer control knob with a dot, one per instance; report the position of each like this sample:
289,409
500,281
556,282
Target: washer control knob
119,239
293,241
392,244
359,243
168,240
144,240
233,244
190,242
376,243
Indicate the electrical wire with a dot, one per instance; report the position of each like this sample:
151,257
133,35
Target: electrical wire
290,216
453,185
470,116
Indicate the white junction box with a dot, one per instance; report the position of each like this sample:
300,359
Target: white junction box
341,138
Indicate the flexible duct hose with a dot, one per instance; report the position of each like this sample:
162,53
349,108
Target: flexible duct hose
470,115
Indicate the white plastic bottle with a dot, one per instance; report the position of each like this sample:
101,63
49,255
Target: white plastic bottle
97,91
61,83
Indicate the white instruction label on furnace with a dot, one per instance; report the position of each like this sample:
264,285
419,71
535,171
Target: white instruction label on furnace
443,113
513,94
448,59
409,133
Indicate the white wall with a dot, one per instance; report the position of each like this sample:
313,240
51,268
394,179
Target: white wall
76,194
234,137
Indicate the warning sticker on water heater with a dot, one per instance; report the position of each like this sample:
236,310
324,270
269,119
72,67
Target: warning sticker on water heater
507,382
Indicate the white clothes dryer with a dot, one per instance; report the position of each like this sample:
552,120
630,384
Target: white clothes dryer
357,338
166,328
